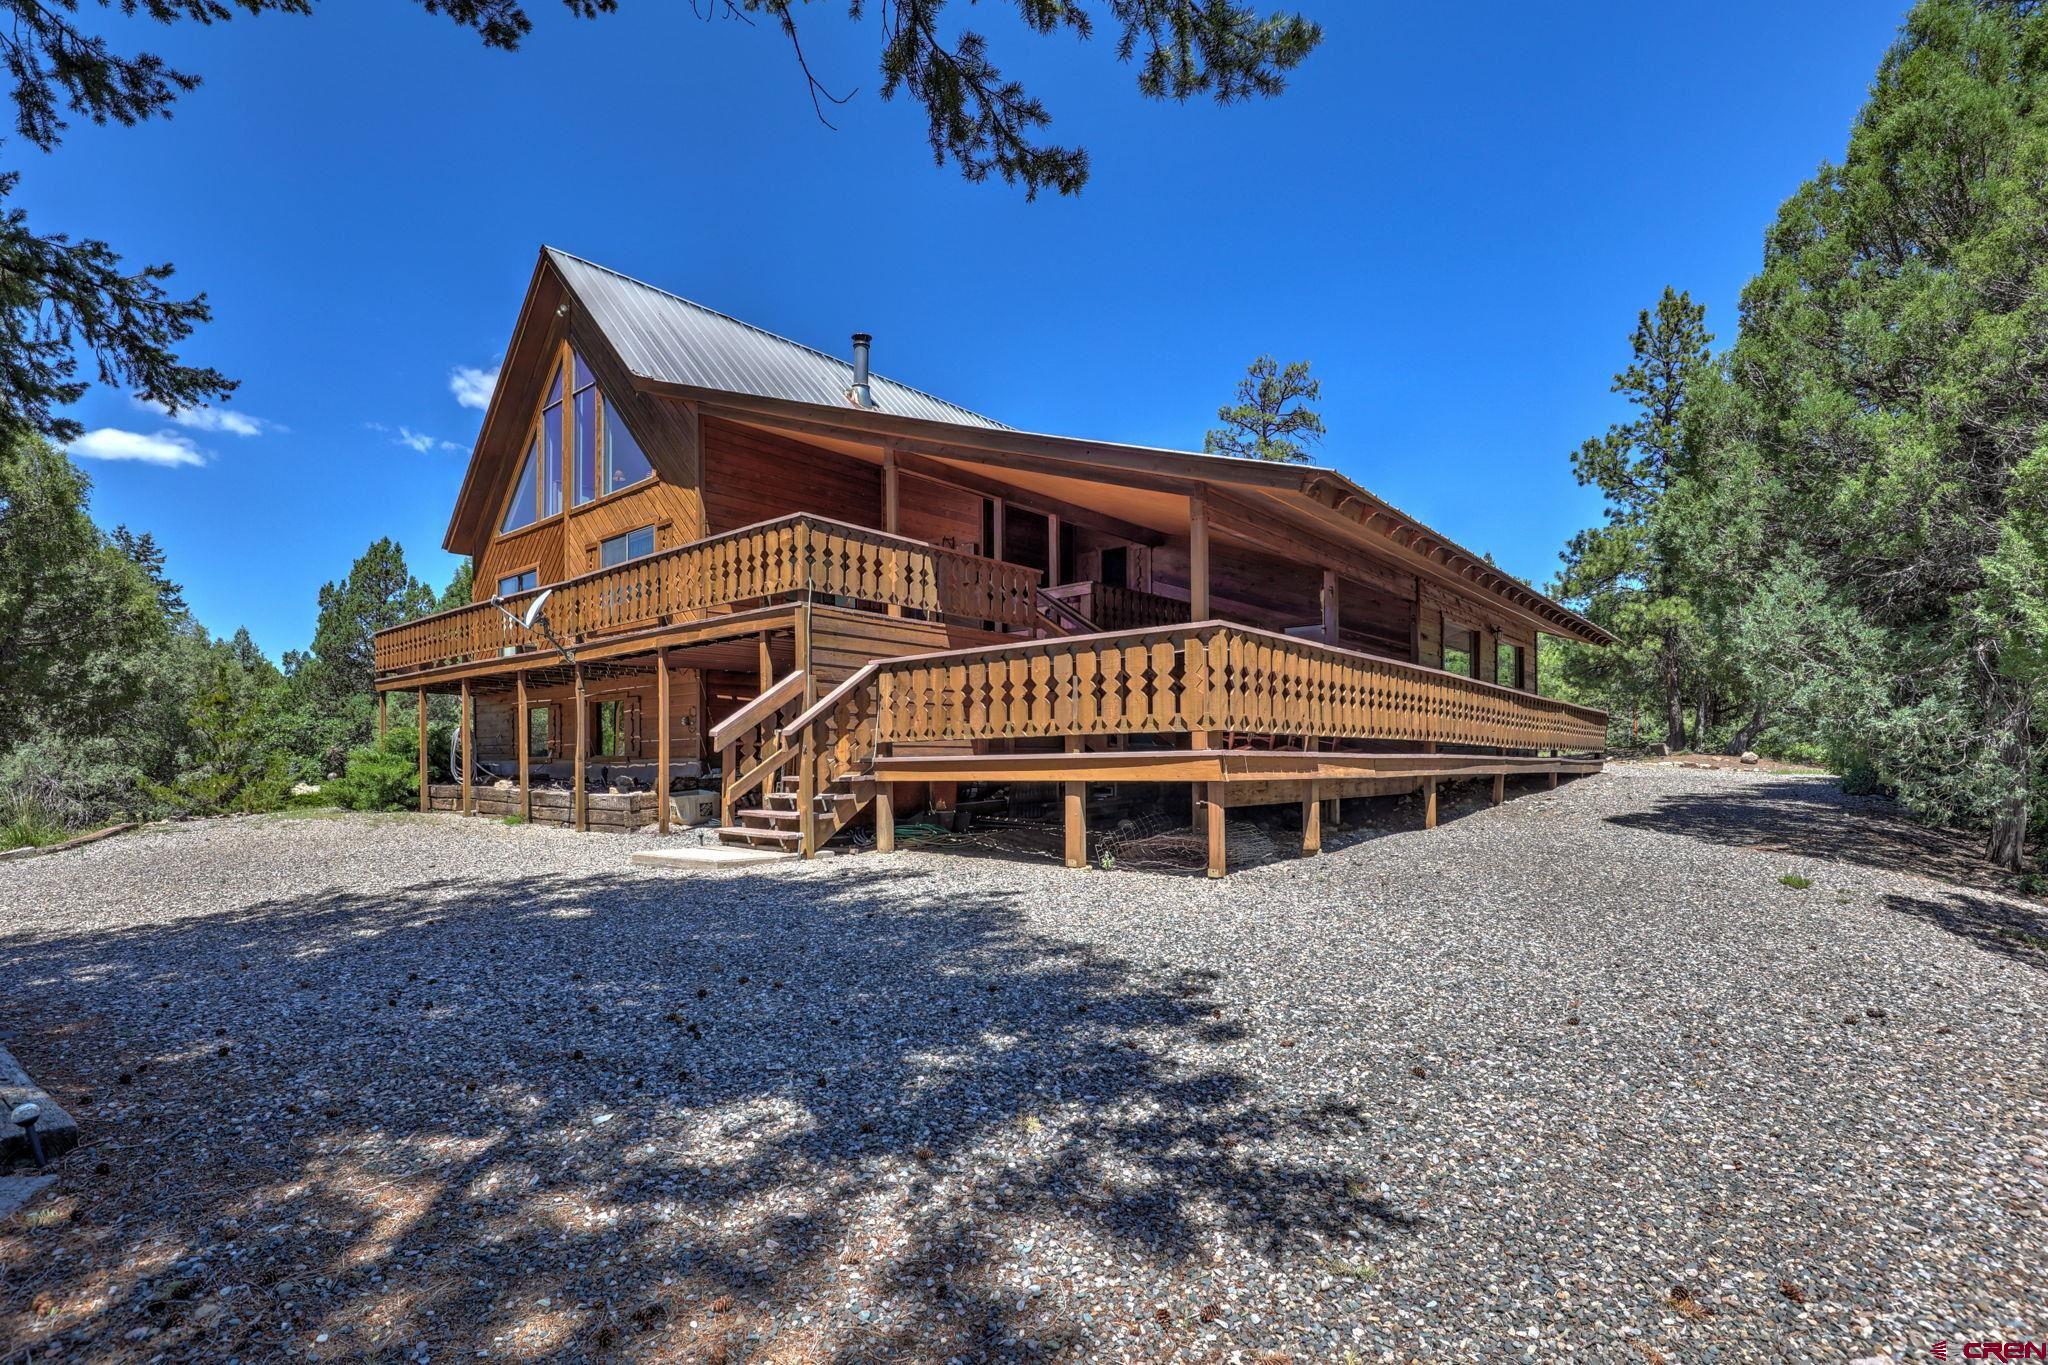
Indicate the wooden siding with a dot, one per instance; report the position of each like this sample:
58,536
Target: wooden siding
751,476
842,641
498,732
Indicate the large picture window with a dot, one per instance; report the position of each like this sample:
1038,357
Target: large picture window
1461,650
579,436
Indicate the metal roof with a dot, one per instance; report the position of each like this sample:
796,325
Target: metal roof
661,336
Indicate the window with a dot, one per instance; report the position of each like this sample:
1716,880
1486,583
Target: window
631,545
606,458
1507,669
520,511
615,728
1116,567
551,444
1461,650
538,731
524,581
624,465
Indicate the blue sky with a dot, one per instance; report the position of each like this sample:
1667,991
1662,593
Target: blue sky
1454,214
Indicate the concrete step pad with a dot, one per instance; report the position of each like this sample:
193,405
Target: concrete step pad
719,855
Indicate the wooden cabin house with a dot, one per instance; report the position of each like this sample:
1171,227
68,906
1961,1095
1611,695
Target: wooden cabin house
773,575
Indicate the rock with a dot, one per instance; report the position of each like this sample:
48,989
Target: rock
504,784
1661,750
1749,757
305,789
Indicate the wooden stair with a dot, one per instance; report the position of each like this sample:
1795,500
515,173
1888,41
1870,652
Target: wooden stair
776,824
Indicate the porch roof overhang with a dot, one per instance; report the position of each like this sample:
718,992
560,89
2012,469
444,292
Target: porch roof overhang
1303,508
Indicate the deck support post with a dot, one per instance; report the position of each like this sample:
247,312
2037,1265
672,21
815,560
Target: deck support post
1329,605
1052,549
1197,739
1213,812
1074,800
1553,779
468,738
885,817
581,792
1311,810
425,803
767,664
890,505
1500,788
1429,803
522,735
383,716
1198,557
662,753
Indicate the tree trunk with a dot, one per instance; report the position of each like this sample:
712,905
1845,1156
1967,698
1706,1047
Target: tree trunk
1702,716
1674,693
2011,751
1746,736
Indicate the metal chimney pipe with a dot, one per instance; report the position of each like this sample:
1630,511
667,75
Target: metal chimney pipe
861,393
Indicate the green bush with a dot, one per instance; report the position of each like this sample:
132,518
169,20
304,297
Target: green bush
384,774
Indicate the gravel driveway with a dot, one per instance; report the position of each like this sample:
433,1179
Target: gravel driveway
1578,1076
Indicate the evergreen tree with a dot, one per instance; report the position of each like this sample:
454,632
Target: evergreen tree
1891,369
1271,419
1627,571
461,589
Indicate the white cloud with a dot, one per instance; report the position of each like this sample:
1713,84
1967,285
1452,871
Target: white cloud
417,441
212,419
472,387
166,448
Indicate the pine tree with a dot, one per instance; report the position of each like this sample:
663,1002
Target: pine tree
1892,365
1627,571
1271,419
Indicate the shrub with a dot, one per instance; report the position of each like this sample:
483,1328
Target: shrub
384,774
26,821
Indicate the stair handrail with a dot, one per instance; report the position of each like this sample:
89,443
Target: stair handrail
1078,621
754,712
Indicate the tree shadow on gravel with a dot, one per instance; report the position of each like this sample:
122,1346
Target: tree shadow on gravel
744,1116
1813,818
2019,932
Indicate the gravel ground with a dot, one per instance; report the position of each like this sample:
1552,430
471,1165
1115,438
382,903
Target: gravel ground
1579,1076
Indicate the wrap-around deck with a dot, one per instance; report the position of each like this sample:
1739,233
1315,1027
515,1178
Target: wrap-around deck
1245,715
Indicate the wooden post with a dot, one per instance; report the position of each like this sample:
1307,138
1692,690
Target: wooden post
523,737
581,793
995,551
1213,809
803,655
1553,779
1074,798
1429,803
1311,811
1500,788
468,739
767,664
424,805
1329,604
1197,739
383,720
1198,558
890,505
885,817
661,748
807,795
1052,550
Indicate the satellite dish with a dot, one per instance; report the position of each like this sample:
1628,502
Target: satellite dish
532,612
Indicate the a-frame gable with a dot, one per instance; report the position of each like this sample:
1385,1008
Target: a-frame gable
663,430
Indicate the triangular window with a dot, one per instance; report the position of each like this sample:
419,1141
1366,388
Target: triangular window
524,507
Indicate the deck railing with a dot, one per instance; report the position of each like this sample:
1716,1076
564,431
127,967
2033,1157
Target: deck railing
1214,678
790,557
1114,608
